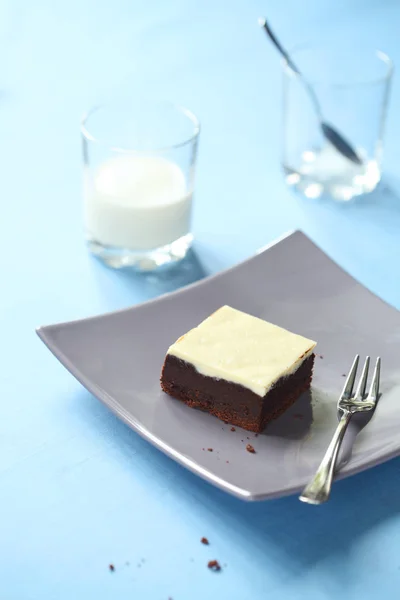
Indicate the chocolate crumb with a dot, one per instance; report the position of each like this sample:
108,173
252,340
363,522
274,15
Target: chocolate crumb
233,428
256,435
210,449
247,438
111,567
205,541
227,462
203,448
214,565
321,356
250,449
343,374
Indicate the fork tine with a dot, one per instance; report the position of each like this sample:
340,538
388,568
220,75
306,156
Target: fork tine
348,386
374,389
362,384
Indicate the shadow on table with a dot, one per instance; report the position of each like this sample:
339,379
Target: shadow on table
385,197
189,270
295,536
380,210
382,205
146,286
298,536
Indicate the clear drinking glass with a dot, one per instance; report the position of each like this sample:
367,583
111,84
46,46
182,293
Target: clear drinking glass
352,85
139,164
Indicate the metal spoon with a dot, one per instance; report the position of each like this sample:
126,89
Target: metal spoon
331,134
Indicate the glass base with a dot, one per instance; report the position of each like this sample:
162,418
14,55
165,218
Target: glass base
324,173
141,260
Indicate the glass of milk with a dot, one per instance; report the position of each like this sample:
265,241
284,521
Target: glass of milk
352,83
139,164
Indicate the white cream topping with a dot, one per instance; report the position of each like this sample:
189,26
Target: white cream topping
243,349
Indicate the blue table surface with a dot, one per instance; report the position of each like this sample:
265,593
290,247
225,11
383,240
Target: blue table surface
78,489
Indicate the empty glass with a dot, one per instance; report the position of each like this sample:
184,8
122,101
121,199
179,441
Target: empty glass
352,85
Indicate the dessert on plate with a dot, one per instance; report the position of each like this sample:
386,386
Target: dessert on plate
239,368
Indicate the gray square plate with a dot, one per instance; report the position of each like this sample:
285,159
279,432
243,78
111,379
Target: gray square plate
118,358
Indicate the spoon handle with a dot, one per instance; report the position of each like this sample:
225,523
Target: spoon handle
291,65
278,45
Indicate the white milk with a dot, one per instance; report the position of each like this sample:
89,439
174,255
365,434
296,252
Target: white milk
137,202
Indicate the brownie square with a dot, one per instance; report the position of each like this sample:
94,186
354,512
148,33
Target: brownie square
240,369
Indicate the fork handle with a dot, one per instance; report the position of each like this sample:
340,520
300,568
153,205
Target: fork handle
319,488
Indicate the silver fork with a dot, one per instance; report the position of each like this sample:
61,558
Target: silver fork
319,488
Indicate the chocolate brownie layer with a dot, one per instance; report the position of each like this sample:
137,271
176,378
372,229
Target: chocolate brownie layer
230,401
